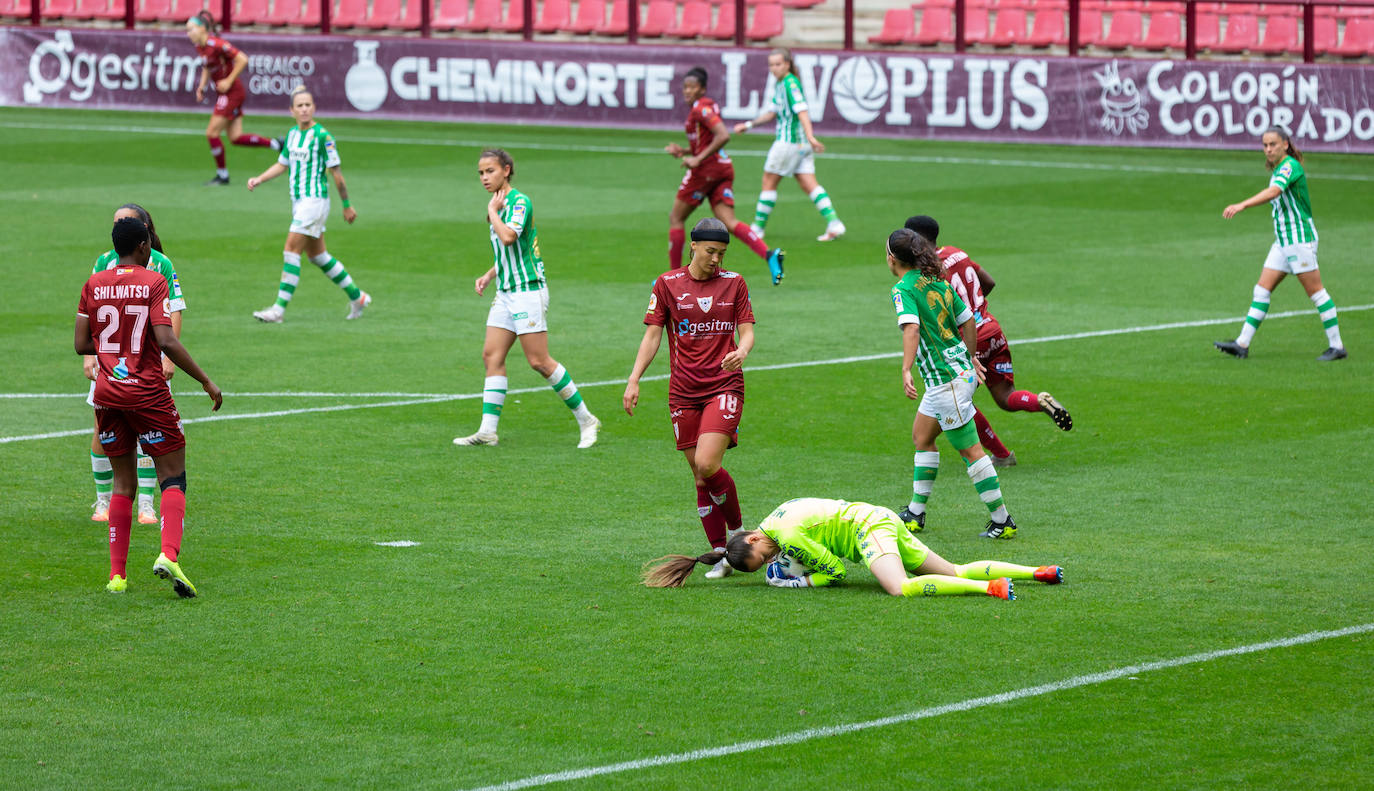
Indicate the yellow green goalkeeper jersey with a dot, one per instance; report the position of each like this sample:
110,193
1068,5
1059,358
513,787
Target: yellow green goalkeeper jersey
1292,208
158,263
818,534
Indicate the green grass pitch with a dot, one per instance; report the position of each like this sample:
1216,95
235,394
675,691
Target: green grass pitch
1200,503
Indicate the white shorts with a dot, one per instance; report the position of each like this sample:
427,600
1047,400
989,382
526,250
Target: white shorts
1293,259
520,312
308,216
789,159
951,404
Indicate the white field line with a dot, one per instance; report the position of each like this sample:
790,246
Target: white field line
734,152
921,714
412,399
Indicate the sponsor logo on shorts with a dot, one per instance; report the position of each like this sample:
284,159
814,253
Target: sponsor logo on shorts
519,316
106,437
996,343
728,193
151,437
696,196
703,511
948,421
1002,368
676,413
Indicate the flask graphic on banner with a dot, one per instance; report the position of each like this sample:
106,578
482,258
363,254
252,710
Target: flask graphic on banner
365,84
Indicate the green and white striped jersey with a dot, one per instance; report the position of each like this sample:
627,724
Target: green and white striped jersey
1292,208
519,266
788,100
309,153
932,305
158,263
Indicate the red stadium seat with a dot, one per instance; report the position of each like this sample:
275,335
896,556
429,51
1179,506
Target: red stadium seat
1089,27
767,22
82,9
250,12
554,15
383,13
1166,31
662,14
449,14
515,17
1358,39
1348,11
1324,38
98,9
724,29
1280,35
486,14
899,24
619,22
975,24
1280,9
1010,28
933,4
1208,31
1048,29
937,25
182,10
148,10
696,20
1242,34
591,14
1124,31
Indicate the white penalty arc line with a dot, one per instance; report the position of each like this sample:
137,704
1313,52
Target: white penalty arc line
734,152
413,399
811,734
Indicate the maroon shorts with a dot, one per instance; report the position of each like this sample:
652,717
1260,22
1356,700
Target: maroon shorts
230,105
994,353
156,428
713,182
718,414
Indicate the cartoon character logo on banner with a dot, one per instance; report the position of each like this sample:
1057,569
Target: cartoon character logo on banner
1121,102
365,84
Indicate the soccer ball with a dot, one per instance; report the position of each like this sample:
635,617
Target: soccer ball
791,567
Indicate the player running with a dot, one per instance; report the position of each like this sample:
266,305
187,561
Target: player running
704,306
804,541
521,306
794,149
222,65
710,176
123,318
972,283
1295,245
309,152
100,464
937,331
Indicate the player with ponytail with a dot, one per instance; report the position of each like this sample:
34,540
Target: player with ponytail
222,63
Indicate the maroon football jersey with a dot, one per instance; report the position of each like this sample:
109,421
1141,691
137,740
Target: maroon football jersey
962,273
700,318
218,55
703,118
122,305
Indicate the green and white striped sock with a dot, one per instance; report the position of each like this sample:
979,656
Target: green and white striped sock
984,477
1327,310
764,208
1259,306
926,465
104,476
822,201
147,481
290,278
561,382
493,398
334,270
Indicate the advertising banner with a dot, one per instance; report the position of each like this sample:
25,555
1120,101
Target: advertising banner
1000,98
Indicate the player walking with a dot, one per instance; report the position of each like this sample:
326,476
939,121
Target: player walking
123,319
704,306
710,176
937,331
1295,245
804,541
222,65
521,306
794,149
972,283
310,151
100,464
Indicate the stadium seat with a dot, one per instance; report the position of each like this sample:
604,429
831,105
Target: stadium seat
147,11
933,4
554,15
383,14
1208,31
590,15
724,29
282,12
1280,35
486,14
1124,31
696,20
181,11
937,25
1348,11
1324,38
975,24
767,22
1089,27
1358,40
82,9
98,9
1280,9
449,14
1010,28
1048,29
662,14
1166,31
899,24
515,18
249,12
1242,34
619,22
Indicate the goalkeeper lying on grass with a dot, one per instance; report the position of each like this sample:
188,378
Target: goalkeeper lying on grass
803,541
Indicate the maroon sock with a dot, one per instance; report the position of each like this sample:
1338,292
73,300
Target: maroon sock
987,436
173,516
722,490
752,239
252,140
1023,401
121,524
217,150
712,520
677,239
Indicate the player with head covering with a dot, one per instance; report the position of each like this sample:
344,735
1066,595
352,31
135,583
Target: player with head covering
804,541
710,176
706,307
222,63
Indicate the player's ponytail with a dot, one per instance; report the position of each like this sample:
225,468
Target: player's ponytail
147,220
207,20
913,251
1287,139
500,155
672,570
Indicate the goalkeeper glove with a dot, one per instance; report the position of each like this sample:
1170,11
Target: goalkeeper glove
778,579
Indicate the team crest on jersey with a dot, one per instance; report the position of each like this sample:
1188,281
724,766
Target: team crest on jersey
1286,170
704,303
517,214
653,302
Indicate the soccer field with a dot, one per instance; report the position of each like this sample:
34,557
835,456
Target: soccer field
1216,626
